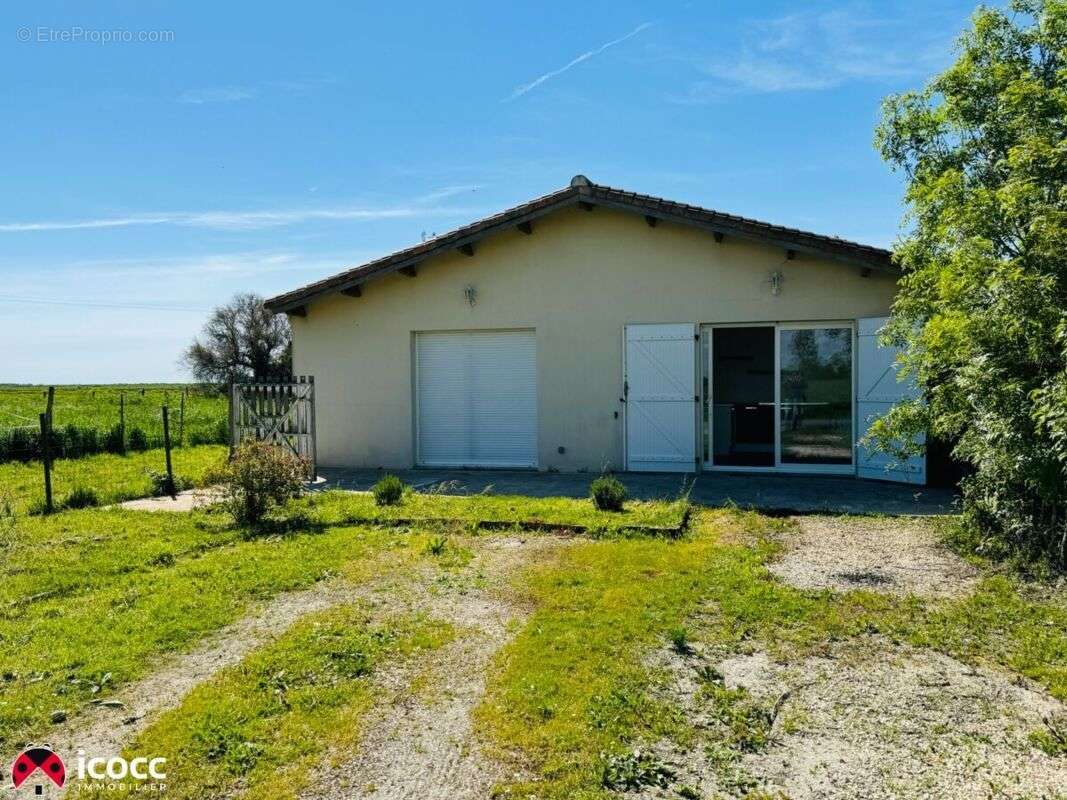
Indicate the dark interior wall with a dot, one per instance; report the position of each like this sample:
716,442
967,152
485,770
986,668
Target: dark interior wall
743,365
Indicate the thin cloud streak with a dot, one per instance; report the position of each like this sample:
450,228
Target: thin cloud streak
526,87
448,191
818,50
224,94
232,220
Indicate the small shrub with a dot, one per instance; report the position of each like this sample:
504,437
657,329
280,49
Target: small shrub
680,641
388,491
259,477
137,440
80,497
608,493
161,483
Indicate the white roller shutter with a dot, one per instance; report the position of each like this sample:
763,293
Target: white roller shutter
476,393
661,398
877,390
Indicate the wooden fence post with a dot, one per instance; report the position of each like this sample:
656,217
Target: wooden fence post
122,423
172,490
46,453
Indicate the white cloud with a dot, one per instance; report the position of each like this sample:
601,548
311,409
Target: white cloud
224,94
448,191
233,220
526,87
815,50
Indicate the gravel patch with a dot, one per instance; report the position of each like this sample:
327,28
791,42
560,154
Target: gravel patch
871,721
891,722
420,743
898,555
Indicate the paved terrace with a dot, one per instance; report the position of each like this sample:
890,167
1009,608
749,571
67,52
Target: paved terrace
800,494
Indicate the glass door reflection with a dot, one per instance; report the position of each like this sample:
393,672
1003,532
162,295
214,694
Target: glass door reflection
815,395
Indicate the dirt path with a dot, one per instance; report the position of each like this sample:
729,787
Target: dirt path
419,744
897,555
869,720
103,730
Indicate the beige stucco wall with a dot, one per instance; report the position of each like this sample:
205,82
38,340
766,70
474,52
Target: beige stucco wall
578,280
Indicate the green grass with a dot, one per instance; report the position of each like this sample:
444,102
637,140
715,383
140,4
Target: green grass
98,407
263,725
91,600
571,695
98,632
502,510
114,478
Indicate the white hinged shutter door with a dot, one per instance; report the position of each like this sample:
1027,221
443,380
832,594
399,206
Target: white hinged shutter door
477,398
660,398
877,391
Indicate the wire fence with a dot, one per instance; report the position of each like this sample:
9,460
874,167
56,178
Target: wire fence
108,419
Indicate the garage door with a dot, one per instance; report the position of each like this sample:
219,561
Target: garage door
476,395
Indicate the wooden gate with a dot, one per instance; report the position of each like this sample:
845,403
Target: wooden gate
279,412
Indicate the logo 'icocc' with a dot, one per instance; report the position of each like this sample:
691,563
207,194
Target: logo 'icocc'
117,768
32,759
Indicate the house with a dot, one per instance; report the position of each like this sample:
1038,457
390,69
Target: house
596,328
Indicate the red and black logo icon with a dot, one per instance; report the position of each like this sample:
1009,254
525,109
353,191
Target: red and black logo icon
38,758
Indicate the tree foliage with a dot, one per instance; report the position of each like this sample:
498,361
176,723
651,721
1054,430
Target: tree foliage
981,310
241,340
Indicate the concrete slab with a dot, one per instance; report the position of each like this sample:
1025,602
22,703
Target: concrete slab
185,501
779,493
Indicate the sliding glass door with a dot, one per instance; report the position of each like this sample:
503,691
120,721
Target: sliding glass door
779,397
815,426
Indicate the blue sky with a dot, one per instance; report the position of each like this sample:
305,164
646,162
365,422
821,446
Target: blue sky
257,148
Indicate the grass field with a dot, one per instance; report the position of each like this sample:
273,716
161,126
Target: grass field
113,478
93,601
96,408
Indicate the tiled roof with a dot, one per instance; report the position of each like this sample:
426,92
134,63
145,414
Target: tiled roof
583,192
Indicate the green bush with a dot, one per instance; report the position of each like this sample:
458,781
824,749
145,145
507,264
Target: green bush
388,491
259,477
137,440
112,440
80,497
608,493
980,309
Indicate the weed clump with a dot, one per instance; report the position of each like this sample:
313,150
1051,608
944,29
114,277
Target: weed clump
80,497
388,491
634,770
608,493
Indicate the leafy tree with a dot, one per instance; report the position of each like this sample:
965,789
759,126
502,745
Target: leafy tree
241,340
981,309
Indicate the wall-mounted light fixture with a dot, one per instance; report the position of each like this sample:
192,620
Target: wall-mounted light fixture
776,281
470,294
